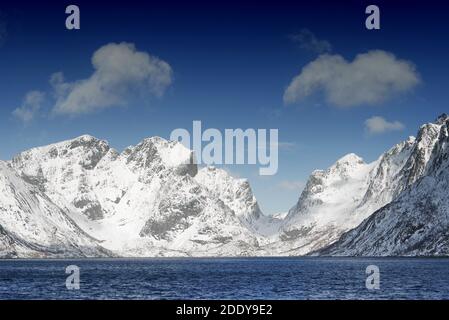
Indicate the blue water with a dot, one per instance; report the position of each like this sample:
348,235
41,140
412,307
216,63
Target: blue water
252,278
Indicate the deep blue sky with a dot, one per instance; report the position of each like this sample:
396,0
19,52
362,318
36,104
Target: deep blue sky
231,64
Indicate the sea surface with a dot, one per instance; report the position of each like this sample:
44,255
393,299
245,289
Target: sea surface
226,278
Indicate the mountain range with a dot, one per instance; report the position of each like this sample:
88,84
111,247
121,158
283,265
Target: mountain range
82,198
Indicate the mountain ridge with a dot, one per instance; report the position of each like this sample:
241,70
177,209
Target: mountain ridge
82,198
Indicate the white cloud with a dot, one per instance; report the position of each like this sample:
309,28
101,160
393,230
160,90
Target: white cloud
378,125
308,41
30,107
368,80
119,70
290,185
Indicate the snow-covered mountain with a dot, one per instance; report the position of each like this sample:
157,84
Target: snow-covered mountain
82,198
417,221
340,198
148,200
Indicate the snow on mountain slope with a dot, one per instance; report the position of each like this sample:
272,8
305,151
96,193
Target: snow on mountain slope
323,209
238,196
31,225
417,222
189,219
334,191
235,193
61,171
145,200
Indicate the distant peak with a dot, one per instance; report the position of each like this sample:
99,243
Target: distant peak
350,158
86,137
154,139
85,140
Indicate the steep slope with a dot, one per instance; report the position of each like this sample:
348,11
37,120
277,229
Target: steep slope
417,222
31,225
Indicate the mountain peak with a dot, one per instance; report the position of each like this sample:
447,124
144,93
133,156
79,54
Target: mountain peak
156,154
350,158
87,141
155,139
442,118
85,137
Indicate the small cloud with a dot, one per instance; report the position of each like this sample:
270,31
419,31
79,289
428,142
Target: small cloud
30,107
290,185
119,70
307,40
369,79
378,125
